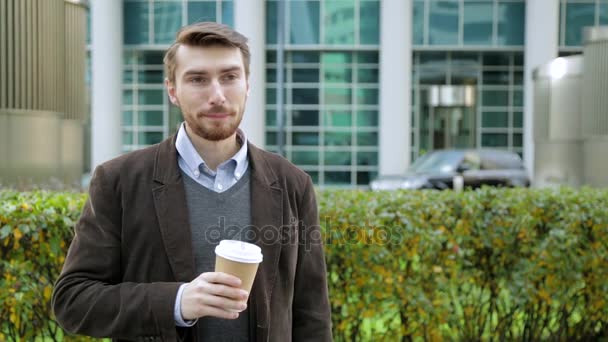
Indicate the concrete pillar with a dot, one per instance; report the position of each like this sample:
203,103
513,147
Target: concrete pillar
395,86
249,19
542,30
106,82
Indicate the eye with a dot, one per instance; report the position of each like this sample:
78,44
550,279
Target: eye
230,77
197,80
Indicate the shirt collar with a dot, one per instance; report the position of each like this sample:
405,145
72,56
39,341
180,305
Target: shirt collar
193,160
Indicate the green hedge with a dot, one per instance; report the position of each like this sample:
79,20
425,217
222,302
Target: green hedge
494,263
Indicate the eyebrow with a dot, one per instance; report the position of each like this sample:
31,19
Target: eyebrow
204,72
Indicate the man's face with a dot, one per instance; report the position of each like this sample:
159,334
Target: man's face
211,89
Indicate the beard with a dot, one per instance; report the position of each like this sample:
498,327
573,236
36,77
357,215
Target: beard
210,130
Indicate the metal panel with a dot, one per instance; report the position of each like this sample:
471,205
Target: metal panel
596,163
595,83
558,163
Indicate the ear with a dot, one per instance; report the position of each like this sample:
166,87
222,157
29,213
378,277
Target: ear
171,90
248,89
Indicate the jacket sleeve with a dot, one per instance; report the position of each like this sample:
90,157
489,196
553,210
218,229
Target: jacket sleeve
89,297
311,310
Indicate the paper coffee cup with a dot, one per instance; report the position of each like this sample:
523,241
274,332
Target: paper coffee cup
240,259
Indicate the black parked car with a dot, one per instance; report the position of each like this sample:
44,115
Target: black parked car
471,168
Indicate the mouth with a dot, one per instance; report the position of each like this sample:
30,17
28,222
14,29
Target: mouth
216,115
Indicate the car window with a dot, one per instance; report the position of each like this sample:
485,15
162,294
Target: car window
438,162
497,160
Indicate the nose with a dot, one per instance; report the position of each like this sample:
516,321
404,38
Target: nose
216,97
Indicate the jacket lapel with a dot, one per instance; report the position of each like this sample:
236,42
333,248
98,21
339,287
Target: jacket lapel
267,221
172,211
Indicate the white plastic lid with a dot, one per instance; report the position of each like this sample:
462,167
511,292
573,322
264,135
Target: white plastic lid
239,251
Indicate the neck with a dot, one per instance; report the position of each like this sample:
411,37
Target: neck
214,152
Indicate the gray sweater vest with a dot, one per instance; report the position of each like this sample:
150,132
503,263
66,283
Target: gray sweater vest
215,217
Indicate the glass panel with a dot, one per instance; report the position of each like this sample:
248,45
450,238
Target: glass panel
88,38
314,175
495,98
150,118
364,177
271,117
305,75
418,23
305,118
496,77
496,59
271,22
337,118
518,140
150,138
150,97
367,158
127,118
367,118
367,139
304,22
511,23
367,57
495,119
577,17
167,20
305,157
367,75
338,158
127,97
478,20
518,59
337,178
339,20
201,11
337,74
127,138
305,138
518,78
305,96
518,98
604,14
367,96
151,76
271,138
338,95
228,13
153,57
338,139
127,76
304,57
465,76
271,95
432,76
135,22
336,58
469,59
494,140
271,56
433,58
518,119
443,23
271,75
369,24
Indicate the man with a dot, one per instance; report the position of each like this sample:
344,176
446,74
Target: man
141,265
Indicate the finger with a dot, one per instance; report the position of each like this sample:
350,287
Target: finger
221,278
220,313
223,291
224,303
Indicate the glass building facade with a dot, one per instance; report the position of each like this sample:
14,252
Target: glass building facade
331,86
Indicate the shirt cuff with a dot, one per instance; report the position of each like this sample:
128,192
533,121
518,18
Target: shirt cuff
177,312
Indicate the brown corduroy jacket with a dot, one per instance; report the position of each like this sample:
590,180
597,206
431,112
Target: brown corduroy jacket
133,249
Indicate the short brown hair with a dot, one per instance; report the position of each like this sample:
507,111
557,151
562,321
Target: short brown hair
205,34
